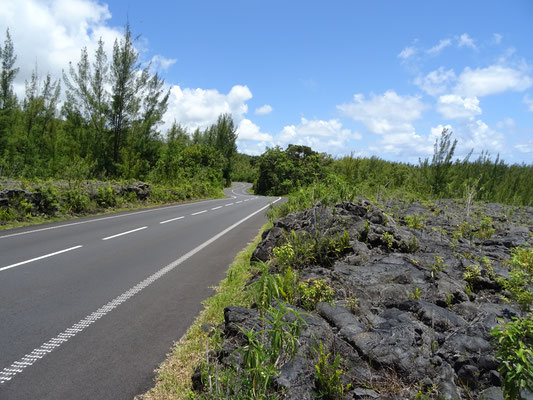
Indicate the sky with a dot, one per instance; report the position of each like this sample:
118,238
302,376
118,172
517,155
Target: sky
368,78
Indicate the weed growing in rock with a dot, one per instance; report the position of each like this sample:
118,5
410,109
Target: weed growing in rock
520,277
288,285
352,302
485,230
515,352
415,294
388,239
415,221
314,291
472,274
328,376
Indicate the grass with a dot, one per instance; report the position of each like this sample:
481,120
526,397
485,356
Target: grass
173,379
42,219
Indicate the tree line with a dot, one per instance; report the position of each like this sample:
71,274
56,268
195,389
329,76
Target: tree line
107,127
281,172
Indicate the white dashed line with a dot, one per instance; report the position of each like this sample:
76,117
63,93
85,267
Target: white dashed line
238,202
199,212
216,208
170,220
124,233
29,359
39,258
227,205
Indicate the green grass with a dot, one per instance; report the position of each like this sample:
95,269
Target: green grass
42,219
173,379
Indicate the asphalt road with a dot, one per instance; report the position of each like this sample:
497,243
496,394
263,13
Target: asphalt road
89,308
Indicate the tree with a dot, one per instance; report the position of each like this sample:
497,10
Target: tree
223,137
8,100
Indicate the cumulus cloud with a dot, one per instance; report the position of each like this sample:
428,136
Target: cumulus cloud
249,131
264,110
452,106
466,41
199,108
407,52
436,82
318,134
525,147
491,80
51,34
529,102
161,63
439,47
385,113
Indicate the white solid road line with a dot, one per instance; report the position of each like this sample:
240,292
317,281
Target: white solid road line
170,220
199,212
29,359
40,258
216,208
124,233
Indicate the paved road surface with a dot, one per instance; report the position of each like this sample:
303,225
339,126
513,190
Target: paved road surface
89,308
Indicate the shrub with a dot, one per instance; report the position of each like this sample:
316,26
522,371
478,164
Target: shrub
328,376
314,291
515,352
414,221
76,201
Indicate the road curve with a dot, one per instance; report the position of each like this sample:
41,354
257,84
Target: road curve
89,308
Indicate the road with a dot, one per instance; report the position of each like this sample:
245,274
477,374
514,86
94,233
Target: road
89,308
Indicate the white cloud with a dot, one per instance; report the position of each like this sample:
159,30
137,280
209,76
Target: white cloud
497,38
477,135
51,34
249,131
264,110
161,63
466,41
525,147
491,80
439,47
529,102
387,113
452,106
436,82
407,52
318,134
507,123
199,108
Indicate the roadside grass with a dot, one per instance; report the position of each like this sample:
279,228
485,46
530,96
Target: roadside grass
173,379
43,219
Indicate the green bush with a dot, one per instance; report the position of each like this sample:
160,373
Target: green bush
50,198
314,291
76,201
328,376
515,353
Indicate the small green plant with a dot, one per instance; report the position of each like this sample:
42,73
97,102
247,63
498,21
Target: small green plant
438,265
415,294
515,352
449,299
415,221
520,278
352,302
328,376
6,215
288,285
284,255
472,274
485,230
314,291
388,239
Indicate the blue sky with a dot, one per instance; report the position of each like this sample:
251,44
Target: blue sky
370,78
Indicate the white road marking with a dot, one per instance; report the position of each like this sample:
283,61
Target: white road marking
247,200
227,205
29,359
40,258
216,208
124,233
170,220
238,202
199,212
